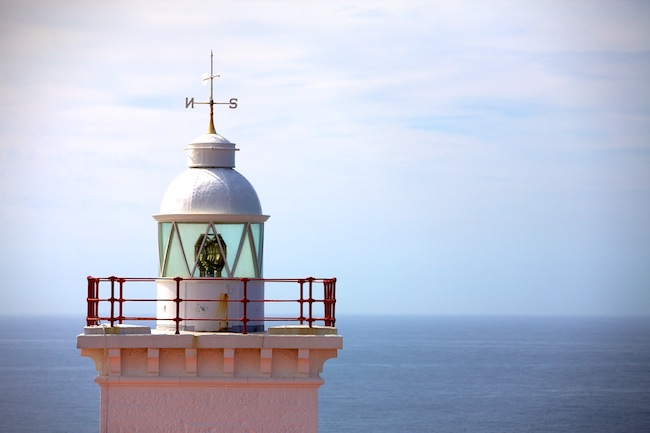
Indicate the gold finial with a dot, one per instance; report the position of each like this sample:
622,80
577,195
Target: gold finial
189,102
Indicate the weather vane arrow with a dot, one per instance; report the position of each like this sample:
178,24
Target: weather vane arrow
189,102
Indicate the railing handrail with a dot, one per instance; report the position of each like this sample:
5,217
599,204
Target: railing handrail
117,296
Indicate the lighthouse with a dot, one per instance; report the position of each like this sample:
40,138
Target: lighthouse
194,349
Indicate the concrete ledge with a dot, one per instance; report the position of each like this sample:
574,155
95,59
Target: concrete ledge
116,330
287,340
302,330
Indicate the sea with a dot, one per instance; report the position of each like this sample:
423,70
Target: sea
394,374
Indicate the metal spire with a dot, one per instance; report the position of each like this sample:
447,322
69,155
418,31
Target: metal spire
189,102
211,78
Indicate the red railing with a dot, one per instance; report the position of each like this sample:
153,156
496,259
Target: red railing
111,307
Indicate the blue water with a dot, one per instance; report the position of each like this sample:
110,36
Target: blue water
399,374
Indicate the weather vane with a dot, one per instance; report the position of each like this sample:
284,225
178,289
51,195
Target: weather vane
189,102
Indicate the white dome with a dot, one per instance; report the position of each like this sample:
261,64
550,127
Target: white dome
211,191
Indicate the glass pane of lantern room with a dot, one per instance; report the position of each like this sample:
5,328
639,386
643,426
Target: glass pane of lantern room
258,240
191,239
164,230
246,264
231,234
175,266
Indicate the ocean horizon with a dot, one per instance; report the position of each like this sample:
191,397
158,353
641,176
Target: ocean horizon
394,374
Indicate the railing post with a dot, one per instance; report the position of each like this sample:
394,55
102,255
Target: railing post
333,302
91,314
177,319
112,301
326,303
120,301
245,302
330,301
310,320
301,301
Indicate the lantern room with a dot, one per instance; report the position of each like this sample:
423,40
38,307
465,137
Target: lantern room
210,230
210,222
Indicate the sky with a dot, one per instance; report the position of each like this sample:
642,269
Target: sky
462,157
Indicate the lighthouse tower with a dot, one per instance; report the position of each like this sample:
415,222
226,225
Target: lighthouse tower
208,357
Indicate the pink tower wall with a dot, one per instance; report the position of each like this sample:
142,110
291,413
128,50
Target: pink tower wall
209,382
